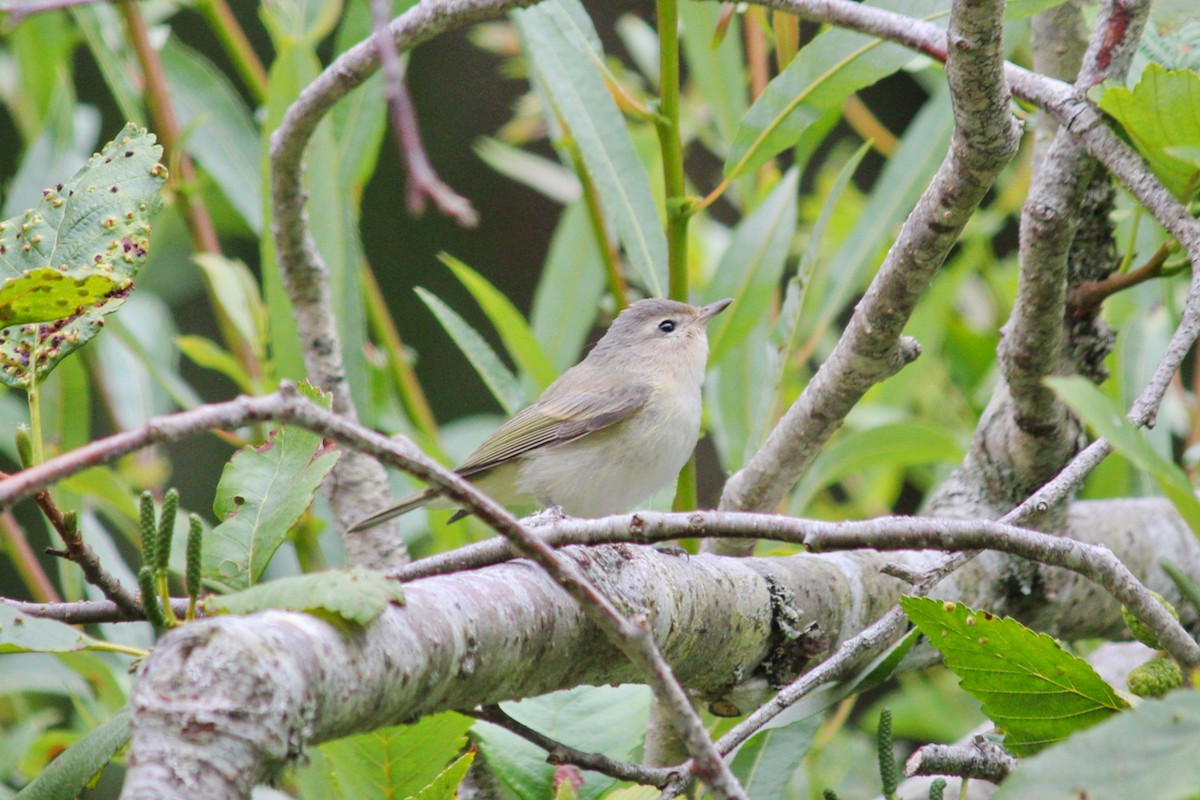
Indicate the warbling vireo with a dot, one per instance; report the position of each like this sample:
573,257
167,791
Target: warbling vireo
611,431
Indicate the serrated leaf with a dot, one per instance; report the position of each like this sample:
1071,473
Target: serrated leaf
1035,691
445,786
562,46
394,762
765,764
95,224
1160,112
514,331
1108,420
77,766
824,73
1147,752
500,381
262,493
355,595
752,266
21,633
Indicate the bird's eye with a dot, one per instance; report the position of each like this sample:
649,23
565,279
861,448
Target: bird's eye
667,325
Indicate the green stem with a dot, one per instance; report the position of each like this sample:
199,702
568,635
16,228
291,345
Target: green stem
225,25
676,189
672,148
34,394
617,285
112,647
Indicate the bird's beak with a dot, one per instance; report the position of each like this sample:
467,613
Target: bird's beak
712,309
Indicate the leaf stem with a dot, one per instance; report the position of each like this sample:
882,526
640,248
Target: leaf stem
609,257
34,395
672,148
224,25
113,647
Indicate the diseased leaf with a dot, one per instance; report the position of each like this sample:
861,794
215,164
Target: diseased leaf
397,762
1147,752
1161,112
262,493
563,48
1108,420
355,595
77,766
1035,691
502,383
88,235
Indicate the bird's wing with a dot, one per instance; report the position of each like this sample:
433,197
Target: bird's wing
555,420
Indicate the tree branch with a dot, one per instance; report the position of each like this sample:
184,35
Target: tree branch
871,348
982,759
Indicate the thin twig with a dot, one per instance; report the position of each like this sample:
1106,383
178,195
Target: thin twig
81,553
631,636
87,612
423,181
1085,299
559,753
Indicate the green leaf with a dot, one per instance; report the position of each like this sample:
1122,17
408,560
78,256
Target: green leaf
21,633
824,73
544,176
1107,419
360,118
1147,752
236,295
95,224
219,131
1030,687
445,786
208,354
262,493
719,72
765,764
560,41
101,29
395,762
572,279
77,766
604,719
302,22
500,382
1162,111
751,267
899,444
355,595
514,331
739,396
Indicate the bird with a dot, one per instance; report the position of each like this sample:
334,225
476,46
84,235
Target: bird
609,432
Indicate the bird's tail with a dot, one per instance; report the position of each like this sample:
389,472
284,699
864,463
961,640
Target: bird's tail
403,507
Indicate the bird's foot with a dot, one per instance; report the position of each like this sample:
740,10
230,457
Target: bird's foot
547,516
